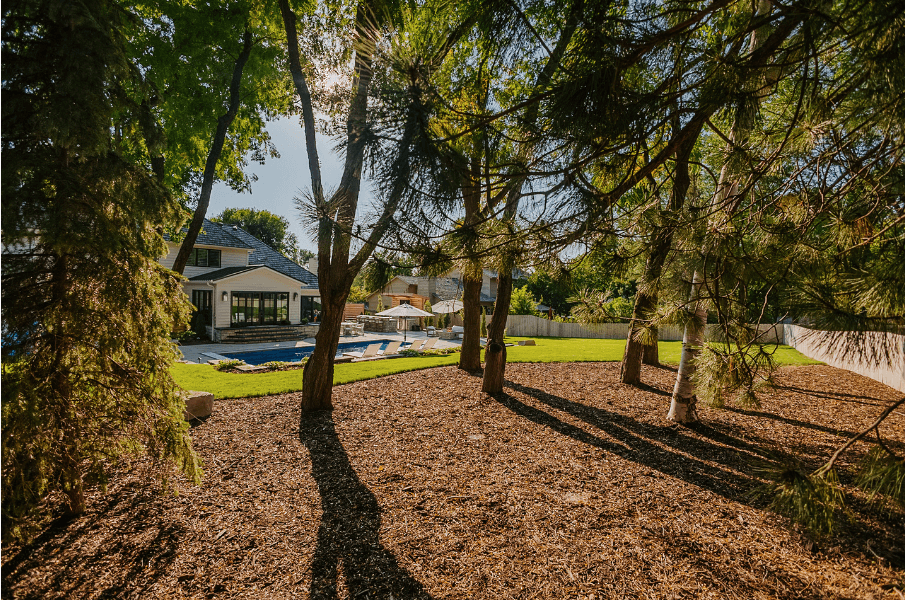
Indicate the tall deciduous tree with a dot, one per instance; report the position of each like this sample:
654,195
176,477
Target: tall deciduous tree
271,229
86,307
217,74
335,217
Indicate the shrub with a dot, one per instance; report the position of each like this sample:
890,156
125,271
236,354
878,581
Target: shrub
228,364
275,365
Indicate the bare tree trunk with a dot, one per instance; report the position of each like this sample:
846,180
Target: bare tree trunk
495,355
683,407
650,353
213,156
630,371
470,359
646,298
317,377
335,219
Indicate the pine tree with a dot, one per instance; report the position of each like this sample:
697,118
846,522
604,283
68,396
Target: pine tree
87,310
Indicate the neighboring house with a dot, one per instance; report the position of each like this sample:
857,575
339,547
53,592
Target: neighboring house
433,289
236,281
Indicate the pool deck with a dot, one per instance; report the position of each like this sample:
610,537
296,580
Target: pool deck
200,353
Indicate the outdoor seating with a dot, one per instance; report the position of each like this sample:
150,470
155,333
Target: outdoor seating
370,351
431,331
418,346
392,348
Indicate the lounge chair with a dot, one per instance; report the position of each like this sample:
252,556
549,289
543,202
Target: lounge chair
392,348
370,351
428,344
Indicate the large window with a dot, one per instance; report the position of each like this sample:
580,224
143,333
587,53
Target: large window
204,257
259,308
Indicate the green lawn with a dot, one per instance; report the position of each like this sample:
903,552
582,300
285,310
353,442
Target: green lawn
240,385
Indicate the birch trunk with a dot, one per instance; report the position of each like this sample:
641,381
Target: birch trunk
683,407
725,204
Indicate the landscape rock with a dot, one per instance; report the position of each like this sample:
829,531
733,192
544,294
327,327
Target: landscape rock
198,405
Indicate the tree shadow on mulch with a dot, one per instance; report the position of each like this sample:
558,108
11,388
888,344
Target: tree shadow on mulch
634,441
348,538
674,451
125,531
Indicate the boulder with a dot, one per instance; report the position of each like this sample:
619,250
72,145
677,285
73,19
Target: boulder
527,343
198,405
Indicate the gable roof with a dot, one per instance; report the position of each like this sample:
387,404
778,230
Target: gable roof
264,255
228,272
221,273
215,234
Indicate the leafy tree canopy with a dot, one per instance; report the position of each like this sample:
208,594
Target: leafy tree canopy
271,229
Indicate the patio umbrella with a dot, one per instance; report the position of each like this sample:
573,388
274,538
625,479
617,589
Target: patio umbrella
447,306
406,311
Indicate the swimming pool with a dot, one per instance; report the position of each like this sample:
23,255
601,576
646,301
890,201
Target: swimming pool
258,357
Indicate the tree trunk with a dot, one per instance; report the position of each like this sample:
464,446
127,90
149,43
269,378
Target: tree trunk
495,355
650,353
682,409
630,371
646,298
317,377
213,156
71,471
470,359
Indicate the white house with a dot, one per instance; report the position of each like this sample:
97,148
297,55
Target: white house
245,290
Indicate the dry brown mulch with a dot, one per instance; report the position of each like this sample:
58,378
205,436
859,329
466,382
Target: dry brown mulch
568,485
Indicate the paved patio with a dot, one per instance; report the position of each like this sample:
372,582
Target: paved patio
198,353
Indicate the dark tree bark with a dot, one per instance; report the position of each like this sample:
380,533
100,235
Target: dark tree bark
650,353
495,355
470,358
213,156
646,298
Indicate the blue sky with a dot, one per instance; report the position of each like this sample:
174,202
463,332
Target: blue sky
281,179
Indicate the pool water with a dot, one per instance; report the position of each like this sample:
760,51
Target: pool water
259,357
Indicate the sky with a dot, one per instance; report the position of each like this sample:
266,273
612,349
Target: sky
281,179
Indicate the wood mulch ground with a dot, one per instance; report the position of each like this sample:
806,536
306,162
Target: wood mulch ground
569,485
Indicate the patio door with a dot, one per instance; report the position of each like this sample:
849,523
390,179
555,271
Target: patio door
202,300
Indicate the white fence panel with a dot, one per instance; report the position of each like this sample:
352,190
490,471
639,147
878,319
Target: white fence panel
874,354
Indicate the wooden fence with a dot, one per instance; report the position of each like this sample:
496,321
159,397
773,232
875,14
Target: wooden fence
350,311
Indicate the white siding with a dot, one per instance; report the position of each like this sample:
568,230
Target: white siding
229,257
259,280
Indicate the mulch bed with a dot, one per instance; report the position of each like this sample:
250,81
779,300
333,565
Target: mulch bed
568,485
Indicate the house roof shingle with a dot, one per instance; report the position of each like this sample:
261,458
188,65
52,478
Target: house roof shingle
214,234
266,256
221,273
